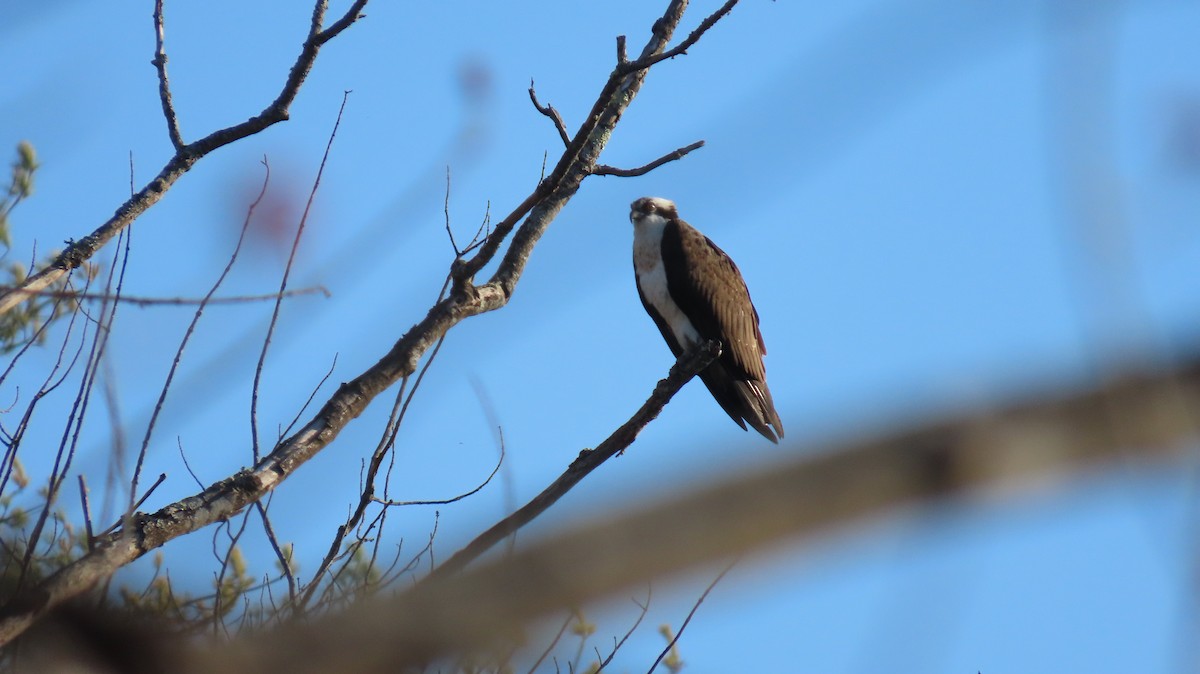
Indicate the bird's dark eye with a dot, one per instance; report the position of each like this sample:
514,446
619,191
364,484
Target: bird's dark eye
651,207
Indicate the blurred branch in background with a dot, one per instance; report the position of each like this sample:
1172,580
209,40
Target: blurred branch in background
1136,421
1102,232
1080,88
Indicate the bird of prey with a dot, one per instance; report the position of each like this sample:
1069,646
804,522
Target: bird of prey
694,292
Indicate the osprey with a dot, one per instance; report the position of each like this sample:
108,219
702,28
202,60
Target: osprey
694,292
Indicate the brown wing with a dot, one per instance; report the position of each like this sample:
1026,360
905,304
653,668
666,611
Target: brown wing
708,287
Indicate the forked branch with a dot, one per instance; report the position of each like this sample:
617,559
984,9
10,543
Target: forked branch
186,155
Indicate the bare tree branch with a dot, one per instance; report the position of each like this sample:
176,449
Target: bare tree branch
187,336
186,465
382,450
86,507
553,642
689,364
169,301
647,60
601,664
453,499
605,170
549,111
185,157
72,429
164,85
58,374
446,209
283,281
687,620
573,166
285,563
162,477
308,401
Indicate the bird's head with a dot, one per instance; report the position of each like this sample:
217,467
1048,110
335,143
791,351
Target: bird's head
652,207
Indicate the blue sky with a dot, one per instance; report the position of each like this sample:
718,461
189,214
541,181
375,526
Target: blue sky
936,205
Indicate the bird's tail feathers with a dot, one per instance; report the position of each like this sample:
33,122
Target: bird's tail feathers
745,401
759,409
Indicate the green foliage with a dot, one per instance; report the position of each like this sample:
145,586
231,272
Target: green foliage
24,323
19,188
158,599
581,626
673,662
60,543
289,557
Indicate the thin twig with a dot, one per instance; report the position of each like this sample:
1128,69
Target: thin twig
73,427
164,86
162,477
446,209
553,642
549,111
428,548
87,510
168,301
432,536
493,421
187,465
284,563
448,501
218,613
33,339
119,452
49,384
376,540
287,271
191,329
605,170
385,446
311,397
688,619
641,616
352,520
484,230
